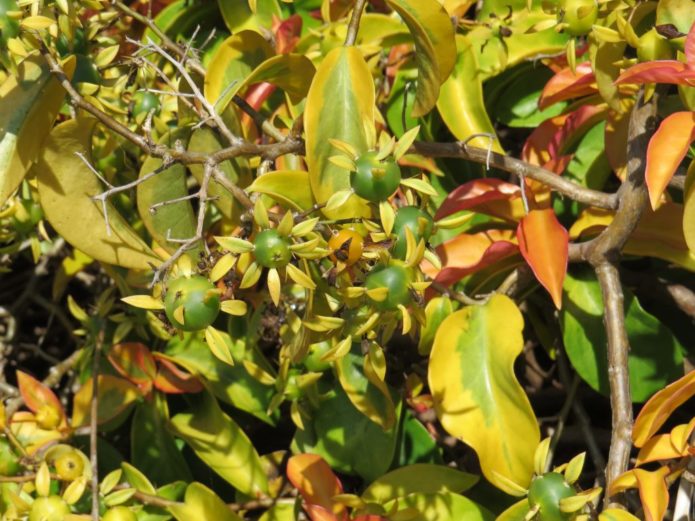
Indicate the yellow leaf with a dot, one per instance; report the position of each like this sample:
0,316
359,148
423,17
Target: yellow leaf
540,456
218,345
222,266
274,286
300,277
37,23
653,492
202,503
477,396
616,514
234,307
144,302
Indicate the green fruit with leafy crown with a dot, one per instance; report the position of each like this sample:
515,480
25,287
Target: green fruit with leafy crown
199,298
375,180
271,249
546,491
119,513
419,222
579,15
51,508
652,46
144,102
9,461
395,278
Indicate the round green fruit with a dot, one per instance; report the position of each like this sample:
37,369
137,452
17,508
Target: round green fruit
395,278
119,513
144,102
419,222
579,15
313,360
9,461
653,46
200,300
375,180
272,250
546,491
69,466
51,508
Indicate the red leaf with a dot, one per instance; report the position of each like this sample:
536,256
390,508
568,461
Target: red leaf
173,380
287,33
478,195
317,484
666,150
574,127
660,71
37,396
567,84
134,361
543,242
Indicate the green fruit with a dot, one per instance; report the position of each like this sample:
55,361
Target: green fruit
546,491
9,461
272,250
78,45
579,15
419,222
144,102
395,278
199,298
119,513
313,360
85,71
375,180
653,46
51,508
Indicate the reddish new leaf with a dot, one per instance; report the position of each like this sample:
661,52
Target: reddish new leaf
489,196
544,243
317,484
287,33
173,380
666,150
567,84
662,71
134,361
38,396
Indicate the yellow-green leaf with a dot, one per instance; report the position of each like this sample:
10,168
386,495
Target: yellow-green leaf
339,105
616,514
66,186
202,503
460,101
144,302
218,345
222,445
288,187
29,103
435,48
477,396
689,208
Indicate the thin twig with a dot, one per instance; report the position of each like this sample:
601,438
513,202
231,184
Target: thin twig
94,414
354,25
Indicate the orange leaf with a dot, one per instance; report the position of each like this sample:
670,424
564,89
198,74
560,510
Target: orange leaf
567,84
660,406
666,150
317,483
659,448
661,71
543,242
134,361
489,196
653,492
37,395
173,380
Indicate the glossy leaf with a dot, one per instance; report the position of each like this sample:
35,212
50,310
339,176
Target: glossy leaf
460,102
37,396
489,196
516,512
666,150
662,71
66,186
288,187
176,220
115,396
567,84
221,444
651,367
444,506
173,380
423,478
339,105
544,243
435,48
31,100
202,503
663,447
316,482
660,406
134,361
477,396
653,492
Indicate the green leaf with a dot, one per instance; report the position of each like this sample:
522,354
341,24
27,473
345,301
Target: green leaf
416,444
66,186
655,357
29,104
181,17
177,220
151,443
137,479
288,187
339,105
202,503
435,48
231,384
437,309
477,396
330,432
444,506
516,512
424,478
238,15
461,103
680,13
221,444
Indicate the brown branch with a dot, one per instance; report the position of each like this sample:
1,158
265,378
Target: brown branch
520,168
94,416
354,25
